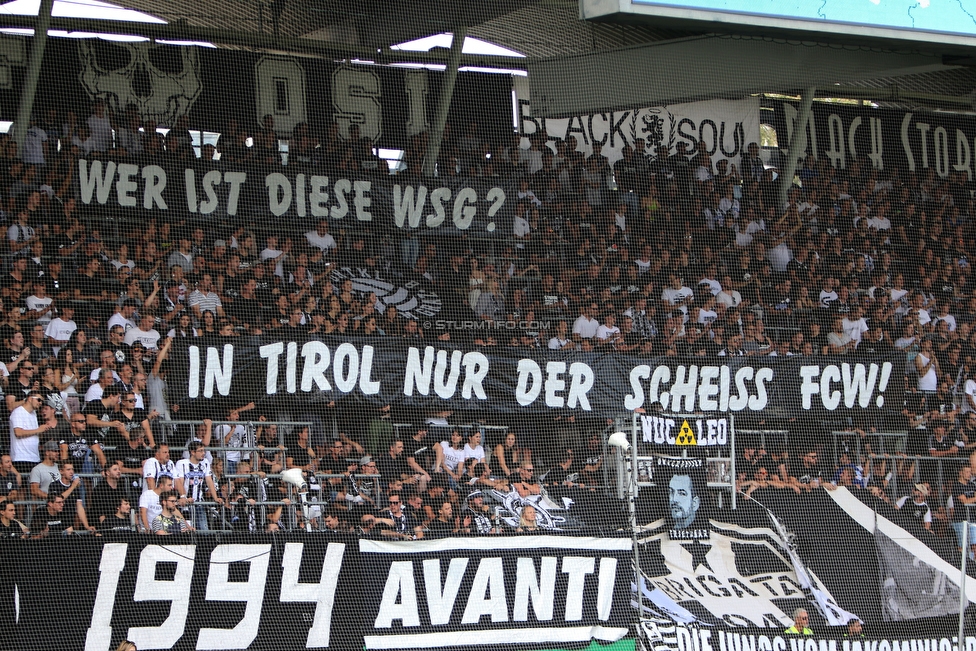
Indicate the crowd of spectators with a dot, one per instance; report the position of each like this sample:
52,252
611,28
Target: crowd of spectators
660,253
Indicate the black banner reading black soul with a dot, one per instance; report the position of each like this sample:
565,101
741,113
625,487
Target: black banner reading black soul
212,190
295,592
387,372
888,138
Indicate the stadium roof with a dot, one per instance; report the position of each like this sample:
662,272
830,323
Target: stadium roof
539,29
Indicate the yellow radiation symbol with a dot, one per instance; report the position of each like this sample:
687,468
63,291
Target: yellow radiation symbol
686,436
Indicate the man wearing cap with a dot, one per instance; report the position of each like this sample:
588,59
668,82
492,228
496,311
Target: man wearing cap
919,509
25,432
479,513
274,256
45,472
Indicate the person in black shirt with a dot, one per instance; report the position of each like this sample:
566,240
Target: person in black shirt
414,505
49,520
10,528
393,466
396,521
10,479
135,420
118,521
807,473
102,416
301,454
68,487
420,457
874,342
964,496
247,305
107,494
132,454
444,524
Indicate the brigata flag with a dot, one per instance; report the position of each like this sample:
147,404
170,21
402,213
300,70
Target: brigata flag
456,592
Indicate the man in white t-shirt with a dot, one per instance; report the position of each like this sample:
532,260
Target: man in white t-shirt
676,294
608,333
100,128
560,340
232,435
320,237
157,467
729,297
59,329
474,453
149,506
32,149
855,324
969,396
40,303
25,434
827,293
146,334
123,318
586,324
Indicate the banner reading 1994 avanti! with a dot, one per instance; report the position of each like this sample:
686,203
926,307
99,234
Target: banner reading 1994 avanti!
392,372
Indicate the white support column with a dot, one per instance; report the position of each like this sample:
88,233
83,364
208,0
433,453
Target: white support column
798,145
444,102
26,106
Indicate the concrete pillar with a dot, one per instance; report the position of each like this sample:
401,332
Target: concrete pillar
444,102
798,145
38,43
